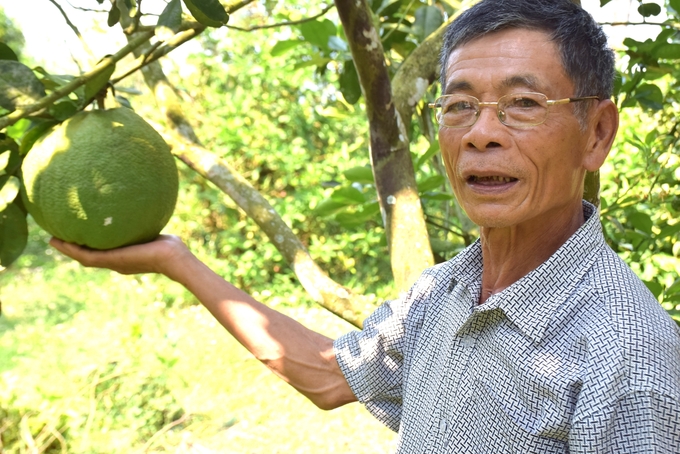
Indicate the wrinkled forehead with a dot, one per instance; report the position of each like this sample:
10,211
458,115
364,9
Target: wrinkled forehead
507,58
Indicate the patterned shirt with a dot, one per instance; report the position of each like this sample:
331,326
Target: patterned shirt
577,356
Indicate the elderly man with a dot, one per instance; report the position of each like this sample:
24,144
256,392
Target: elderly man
537,338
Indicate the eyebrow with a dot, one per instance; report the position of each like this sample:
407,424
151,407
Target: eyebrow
520,80
460,85
526,80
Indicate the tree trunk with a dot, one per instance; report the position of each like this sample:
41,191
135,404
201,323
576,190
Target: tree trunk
407,237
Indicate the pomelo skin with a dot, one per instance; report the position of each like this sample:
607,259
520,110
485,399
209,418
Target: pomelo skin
102,179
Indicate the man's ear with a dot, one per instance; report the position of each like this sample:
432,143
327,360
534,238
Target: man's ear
602,126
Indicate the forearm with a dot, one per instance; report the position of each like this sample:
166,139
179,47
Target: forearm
301,357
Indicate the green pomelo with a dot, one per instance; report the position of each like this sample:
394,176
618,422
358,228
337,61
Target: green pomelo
102,179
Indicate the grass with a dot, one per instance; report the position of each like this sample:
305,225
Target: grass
95,362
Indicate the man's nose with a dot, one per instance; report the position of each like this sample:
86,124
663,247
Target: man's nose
487,131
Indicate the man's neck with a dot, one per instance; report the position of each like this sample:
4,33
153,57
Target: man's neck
510,253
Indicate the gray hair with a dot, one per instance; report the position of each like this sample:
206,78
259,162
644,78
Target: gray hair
587,59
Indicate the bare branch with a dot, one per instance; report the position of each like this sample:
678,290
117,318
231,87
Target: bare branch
74,28
283,24
105,63
87,9
635,23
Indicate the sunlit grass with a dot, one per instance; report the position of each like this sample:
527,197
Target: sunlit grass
111,363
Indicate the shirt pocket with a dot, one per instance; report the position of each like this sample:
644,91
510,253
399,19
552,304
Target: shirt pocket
527,424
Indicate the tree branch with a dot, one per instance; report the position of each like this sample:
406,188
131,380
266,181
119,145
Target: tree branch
407,237
157,52
48,100
187,147
614,24
86,9
74,28
328,293
417,73
283,24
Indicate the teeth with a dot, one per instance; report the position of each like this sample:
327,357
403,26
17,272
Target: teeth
495,178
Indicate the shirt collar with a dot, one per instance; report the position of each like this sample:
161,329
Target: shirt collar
530,302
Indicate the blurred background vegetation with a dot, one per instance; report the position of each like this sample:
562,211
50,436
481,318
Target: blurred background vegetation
91,361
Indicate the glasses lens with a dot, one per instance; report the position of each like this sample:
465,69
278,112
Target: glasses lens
457,111
523,109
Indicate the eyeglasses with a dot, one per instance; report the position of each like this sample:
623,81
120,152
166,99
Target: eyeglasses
519,110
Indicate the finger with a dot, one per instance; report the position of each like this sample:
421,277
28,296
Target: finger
83,255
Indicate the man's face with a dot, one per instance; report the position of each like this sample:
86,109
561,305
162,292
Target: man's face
505,176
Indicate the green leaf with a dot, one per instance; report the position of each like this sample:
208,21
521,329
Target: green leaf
436,196
675,4
282,47
316,60
641,221
328,207
668,231
649,9
9,188
428,19
317,32
348,195
349,82
674,288
169,21
654,287
390,9
114,15
19,86
210,13
10,160
33,134
405,48
13,234
53,81
63,110
441,246
4,161
6,53
433,150
649,96
604,2
668,51
359,174
430,183
18,129
366,213
631,43
98,82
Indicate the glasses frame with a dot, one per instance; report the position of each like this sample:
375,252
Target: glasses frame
500,113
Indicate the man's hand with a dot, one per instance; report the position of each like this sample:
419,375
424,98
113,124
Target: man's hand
162,255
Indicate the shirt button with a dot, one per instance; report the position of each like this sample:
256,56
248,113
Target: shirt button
442,425
468,342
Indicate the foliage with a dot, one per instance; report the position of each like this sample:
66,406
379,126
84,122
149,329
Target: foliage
123,364
10,37
641,185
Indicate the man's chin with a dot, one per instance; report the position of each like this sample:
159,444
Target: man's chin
493,217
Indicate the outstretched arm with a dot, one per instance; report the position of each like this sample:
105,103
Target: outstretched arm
301,357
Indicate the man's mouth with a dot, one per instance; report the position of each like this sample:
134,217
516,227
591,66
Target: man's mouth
491,180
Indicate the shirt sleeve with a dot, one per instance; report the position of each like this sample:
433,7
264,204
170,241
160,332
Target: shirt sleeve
373,359
639,422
